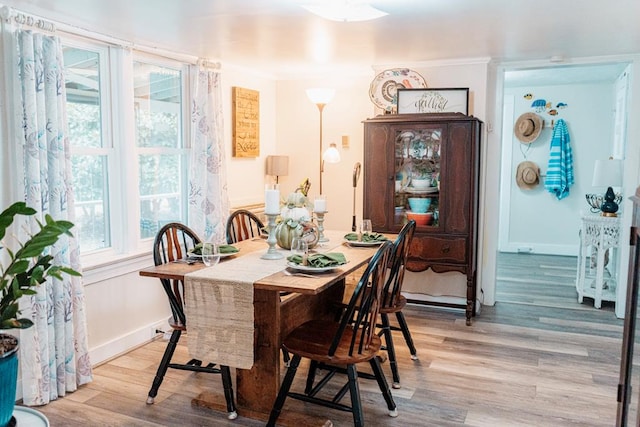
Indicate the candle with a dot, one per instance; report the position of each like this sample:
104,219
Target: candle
320,205
272,202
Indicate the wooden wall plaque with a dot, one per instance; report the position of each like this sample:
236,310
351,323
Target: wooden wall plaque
245,122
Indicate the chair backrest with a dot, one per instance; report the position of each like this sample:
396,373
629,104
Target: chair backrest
243,225
359,319
172,243
395,276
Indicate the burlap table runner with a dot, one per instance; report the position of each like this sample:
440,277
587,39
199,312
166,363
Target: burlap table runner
219,308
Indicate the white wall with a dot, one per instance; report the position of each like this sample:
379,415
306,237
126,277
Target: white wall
534,220
246,176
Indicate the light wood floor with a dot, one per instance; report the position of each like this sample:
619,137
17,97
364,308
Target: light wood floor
517,365
541,280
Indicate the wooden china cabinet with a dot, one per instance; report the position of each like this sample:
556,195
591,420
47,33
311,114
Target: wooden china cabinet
434,156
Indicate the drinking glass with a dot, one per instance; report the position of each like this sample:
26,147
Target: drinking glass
365,227
300,247
210,254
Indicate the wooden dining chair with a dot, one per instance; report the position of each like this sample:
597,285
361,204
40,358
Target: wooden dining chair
393,301
349,341
171,244
243,225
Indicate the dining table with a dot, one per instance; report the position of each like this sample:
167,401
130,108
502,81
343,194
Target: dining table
239,310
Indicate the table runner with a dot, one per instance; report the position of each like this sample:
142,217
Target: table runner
219,308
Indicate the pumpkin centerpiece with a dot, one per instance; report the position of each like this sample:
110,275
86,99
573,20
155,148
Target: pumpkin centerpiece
296,219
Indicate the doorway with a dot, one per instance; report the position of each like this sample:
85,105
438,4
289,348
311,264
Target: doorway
538,235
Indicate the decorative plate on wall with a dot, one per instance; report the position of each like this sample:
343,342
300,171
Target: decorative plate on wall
383,89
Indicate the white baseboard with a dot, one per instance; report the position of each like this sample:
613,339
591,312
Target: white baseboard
125,343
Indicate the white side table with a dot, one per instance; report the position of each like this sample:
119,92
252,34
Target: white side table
597,259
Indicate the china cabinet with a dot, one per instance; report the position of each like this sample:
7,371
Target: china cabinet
408,157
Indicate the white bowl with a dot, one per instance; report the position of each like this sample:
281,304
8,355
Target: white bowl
420,184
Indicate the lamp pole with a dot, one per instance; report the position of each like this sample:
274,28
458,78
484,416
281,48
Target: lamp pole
320,108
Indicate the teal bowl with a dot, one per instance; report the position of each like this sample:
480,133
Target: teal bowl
419,205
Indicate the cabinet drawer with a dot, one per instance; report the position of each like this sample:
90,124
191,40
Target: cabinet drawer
443,249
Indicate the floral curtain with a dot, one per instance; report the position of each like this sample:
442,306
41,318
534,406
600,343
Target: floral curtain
208,197
54,355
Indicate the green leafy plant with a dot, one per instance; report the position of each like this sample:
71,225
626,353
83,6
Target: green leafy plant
28,267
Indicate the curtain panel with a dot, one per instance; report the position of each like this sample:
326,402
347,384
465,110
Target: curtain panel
208,195
54,355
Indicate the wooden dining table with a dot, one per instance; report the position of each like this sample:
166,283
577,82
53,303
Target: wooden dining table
275,315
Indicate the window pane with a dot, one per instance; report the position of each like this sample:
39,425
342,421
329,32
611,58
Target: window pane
91,209
158,110
160,196
158,106
82,82
89,170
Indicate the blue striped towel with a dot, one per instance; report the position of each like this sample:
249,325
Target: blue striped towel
560,169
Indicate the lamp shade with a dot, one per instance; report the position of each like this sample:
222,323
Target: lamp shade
331,154
320,95
277,165
607,173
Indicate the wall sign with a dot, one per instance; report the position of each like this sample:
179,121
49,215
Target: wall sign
245,122
446,100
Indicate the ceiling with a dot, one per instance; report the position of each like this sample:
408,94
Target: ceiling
281,38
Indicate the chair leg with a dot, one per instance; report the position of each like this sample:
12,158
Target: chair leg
356,405
228,392
391,351
285,357
407,335
311,377
384,387
164,364
284,390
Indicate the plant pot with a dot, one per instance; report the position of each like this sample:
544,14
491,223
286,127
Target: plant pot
8,376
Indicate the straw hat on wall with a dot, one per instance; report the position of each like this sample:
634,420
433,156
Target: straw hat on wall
527,175
528,127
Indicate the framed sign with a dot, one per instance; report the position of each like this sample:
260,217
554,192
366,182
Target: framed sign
446,100
245,122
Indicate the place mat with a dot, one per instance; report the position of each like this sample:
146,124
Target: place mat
219,309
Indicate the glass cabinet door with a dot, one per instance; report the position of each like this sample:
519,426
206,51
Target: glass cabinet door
417,175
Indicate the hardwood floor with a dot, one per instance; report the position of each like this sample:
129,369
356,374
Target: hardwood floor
542,280
517,365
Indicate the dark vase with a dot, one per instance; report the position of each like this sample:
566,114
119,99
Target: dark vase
8,377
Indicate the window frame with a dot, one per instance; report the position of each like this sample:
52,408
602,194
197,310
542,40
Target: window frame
128,252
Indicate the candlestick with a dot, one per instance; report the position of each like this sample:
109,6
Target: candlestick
320,218
272,252
320,205
271,201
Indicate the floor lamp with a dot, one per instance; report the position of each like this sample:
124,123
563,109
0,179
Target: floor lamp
321,97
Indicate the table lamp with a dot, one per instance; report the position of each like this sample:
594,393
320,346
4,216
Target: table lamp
277,166
606,174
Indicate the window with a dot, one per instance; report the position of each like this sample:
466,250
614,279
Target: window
158,122
91,154
125,118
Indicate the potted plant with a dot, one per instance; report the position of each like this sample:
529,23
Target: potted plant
20,272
